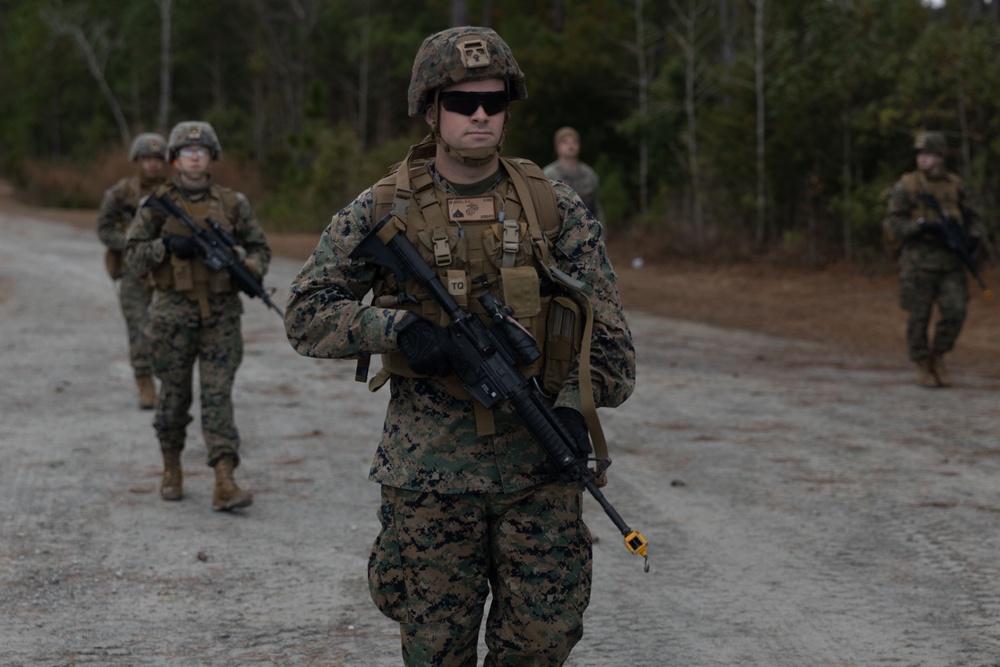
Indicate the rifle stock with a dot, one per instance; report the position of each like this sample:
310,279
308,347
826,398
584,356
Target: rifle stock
486,360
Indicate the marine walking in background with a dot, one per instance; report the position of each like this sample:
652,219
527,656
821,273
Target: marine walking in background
572,171
196,310
938,232
118,208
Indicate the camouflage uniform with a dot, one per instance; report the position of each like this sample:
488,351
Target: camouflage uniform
584,180
930,272
189,326
465,514
115,215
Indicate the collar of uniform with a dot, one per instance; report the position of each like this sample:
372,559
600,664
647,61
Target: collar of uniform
193,194
488,184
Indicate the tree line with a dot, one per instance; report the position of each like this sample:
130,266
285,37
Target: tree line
736,128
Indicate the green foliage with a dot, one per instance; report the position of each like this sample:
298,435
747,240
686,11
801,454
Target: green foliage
310,99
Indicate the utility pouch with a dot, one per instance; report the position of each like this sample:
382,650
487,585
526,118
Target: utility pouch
219,282
521,292
183,281
113,262
563,335
520,287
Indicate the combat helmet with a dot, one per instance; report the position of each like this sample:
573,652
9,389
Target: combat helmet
148,144
930,142
193,133
462,54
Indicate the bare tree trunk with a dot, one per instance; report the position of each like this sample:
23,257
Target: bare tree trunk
963,126
459,13
846,221
166,14
558,15
285,32
96,50
691,42
759,74
727,51
364,76
643,72
218,83
259,117
487,14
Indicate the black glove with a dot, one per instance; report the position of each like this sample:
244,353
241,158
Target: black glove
935,228
426,346
577,427
181,247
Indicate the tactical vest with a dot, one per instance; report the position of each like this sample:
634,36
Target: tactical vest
945,190
191,276
499,242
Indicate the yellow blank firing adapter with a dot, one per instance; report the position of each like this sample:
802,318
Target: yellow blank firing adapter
636,544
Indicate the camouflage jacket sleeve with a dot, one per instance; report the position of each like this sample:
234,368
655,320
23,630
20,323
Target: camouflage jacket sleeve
113,218
144,249
901,219
580,252
325,316
970,215
250,235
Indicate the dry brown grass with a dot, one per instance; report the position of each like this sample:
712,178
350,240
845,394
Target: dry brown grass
836,305
71,185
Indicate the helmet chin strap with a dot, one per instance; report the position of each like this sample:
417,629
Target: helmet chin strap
472,157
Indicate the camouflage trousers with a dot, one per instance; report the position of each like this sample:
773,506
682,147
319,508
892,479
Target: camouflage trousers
919,290
134,298
218,351
438,557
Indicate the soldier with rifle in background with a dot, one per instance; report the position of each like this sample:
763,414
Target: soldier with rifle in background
930,215
118,208
473,503
196,308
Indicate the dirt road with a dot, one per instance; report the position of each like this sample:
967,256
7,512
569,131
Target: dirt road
803,507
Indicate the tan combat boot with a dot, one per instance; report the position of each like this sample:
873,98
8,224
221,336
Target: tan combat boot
172,485
227,495
925,373
940,370
147,392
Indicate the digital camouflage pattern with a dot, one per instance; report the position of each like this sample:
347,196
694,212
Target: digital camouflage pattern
584,181
930,272
148,144
118,208
463,514
930,142
428,576
462,54
194,133
217,347
429,440
180,334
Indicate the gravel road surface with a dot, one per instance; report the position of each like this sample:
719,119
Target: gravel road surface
803,507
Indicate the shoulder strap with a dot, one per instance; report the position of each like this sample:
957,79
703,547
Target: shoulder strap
540,207
392,194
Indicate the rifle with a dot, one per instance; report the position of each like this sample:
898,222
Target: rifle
956,238
214,249
485,359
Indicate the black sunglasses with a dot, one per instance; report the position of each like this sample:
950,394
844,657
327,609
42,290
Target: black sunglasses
467,103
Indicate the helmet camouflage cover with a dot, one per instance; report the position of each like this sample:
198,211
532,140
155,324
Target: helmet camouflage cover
930,142
462,54
148,144
193,133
